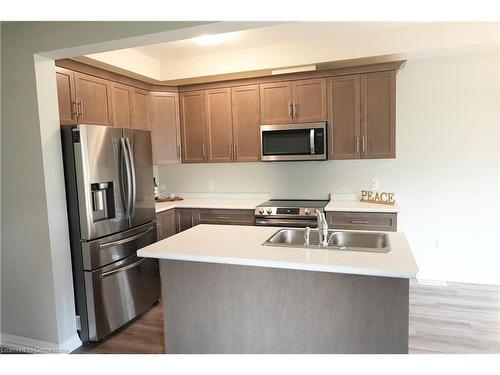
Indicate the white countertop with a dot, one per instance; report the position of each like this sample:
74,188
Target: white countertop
228,203
357,206
250,204
242,245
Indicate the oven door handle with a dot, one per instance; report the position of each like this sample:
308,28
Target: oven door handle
286,222
311,141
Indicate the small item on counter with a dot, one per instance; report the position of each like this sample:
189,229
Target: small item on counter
376,197
171,196
162,191
155,189
169,199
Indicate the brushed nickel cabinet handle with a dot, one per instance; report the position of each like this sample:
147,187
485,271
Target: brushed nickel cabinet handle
81,108
290,114
363,144
357,144
295,109
74,109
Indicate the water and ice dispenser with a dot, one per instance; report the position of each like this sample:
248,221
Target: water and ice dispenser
103,201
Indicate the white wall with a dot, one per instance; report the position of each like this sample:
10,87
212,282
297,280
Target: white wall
445,174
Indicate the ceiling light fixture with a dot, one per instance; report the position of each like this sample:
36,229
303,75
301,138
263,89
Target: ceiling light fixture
213,39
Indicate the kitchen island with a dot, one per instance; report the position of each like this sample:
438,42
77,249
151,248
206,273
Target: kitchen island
224,292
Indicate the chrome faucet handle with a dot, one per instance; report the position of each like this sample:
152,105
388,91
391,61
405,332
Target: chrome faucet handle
307,233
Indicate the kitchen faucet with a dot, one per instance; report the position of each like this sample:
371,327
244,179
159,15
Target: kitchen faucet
322,228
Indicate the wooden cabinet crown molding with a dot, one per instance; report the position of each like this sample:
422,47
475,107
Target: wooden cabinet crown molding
112,76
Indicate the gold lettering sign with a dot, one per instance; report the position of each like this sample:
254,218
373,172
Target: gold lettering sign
376,197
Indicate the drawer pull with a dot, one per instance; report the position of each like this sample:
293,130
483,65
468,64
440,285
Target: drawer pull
359,222
223,217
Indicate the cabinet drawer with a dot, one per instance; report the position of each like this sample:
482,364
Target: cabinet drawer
362,221
230,217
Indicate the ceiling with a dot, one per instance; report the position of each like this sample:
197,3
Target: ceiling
260,50
270,35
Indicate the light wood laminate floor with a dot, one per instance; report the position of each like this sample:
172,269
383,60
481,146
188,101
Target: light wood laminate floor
457,318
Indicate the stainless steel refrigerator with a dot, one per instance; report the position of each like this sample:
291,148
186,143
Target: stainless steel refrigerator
111,212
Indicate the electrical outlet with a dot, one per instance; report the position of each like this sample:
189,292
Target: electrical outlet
374,184
211,185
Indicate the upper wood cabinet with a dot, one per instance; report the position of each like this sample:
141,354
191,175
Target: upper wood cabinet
276,103
165,128
378,115
93,100
193,127
293,102
140,109
219,125
245,102
122,103
65,80
309,100
361,116
344,117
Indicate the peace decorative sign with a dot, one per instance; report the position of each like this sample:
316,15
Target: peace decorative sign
376,197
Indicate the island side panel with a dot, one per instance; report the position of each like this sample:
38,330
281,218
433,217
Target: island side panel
221,308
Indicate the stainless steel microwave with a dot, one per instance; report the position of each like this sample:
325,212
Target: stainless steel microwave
293,142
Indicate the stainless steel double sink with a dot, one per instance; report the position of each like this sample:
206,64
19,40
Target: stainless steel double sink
372,242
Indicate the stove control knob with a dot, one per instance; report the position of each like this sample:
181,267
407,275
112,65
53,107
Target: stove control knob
269,211
307,211
261,210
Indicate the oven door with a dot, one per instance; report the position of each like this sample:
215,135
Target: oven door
293,142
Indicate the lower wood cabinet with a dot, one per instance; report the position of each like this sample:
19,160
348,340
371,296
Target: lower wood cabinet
386,222
177,220
227,217
165,224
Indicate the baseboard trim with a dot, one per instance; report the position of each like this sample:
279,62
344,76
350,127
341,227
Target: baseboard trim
28,345
432,282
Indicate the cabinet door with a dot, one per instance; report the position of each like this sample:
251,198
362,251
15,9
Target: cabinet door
276,103
193,127
246,122
362,221
378,115
93,96
344,117
121,99
226,217
309,100
66,96
186,218
165,128
140,109
219,125
165,224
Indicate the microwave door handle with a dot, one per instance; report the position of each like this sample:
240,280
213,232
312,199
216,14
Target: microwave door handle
311,141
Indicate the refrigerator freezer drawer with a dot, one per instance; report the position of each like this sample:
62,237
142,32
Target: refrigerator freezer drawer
101,252
120,292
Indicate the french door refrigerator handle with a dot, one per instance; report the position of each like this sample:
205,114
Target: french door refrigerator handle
126,188
134,181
